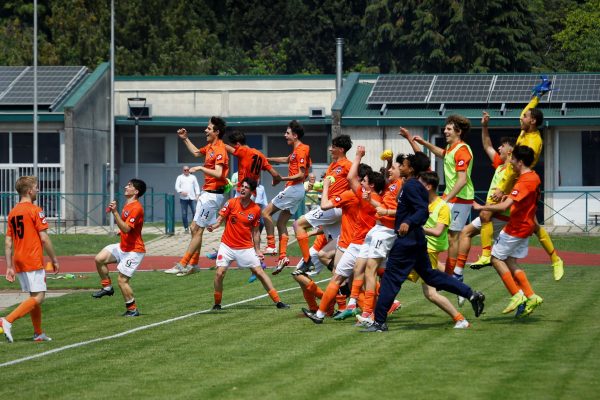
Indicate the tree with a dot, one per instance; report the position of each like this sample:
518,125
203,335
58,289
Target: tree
580,39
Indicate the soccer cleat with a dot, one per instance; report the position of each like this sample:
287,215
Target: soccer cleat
281,305
559,270
212,255
482,262
252,278
520,310
188,270
42,337
517,299
103,292
312,316
305,266
132,313
462,324
365,320
542,88
216,307
317,269
396,305
376,327
531,304
281,264
348,312
177,268
298,272
477,299
270,251
7,328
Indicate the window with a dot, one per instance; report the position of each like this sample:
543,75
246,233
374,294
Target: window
183,154
49,148
4,143
578,158
151,150
319,146
22,147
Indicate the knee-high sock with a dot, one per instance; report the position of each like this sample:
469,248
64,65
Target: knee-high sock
195,258
547,244
315,290
283,241
22,310
523,282
510,283
274,295
487,237
329,296
185,260
36,319
304,247
310,300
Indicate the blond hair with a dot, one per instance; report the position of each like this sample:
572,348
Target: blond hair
25,184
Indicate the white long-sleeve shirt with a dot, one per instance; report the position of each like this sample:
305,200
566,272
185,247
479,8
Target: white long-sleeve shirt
188,184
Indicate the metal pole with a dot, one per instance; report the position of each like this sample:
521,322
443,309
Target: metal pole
137,139
339,47
35,97
112,109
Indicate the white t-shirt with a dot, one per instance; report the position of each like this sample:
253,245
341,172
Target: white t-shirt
188,184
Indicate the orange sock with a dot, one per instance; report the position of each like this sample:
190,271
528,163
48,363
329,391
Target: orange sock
283,241
185,260
458,317
356,288
195,258
510,283
130,305
380,271
450,264
360,301
340,299
310,300
36,319
315,290
329,296
461,260
218,297
271,241
23,309
369,302
523,282
105,282
274,295
303,244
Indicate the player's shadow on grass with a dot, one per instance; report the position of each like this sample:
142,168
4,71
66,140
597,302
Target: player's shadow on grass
510,319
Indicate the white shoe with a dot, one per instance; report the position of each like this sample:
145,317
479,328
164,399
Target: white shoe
41,338
462,324
270,251
177,268
461,301
6,327
188,270
365,321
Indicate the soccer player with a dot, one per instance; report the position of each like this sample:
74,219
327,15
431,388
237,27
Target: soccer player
409,250
26,239
328,220
240,241
288,200
459,193
513,240
531,119
130,252
215,169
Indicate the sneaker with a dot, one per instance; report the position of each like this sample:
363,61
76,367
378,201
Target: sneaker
252,278
103,292
41,338
6,327
517,299
317,269
177,268
298,272
348,312
520,310
188,270
270,251
396,305
216,307
482,262
462,324
365,321
305,266
477,300
211,255
281,264
531,304
132,313
542,88
376,327
312,316
559,270
281,305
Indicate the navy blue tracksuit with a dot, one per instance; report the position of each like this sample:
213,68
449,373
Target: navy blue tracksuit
410,251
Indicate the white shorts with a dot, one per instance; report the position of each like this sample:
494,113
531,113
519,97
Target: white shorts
33,281
290,198
364,250
317,217
498,225
345,265
128,261
245,258
380,240
208,208
510,246
459,215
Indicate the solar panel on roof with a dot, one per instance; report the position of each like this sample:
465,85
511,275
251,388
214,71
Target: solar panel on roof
400,89
515,88
576,88
8,75
461,89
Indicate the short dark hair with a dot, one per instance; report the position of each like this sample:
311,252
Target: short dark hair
509,140
377,180
251,182
139,185
430,178
219,125
525,154
342,141
237,137
538,115
364,169
296,128
461,123
419,162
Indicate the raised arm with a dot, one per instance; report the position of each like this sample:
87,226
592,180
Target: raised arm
326,204
488,147
438,151
215,173
279,160
411,140
183,135
353,173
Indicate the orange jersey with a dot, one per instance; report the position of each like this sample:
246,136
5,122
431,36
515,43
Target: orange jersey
525,195
240,221
366,217
339,170
348,202
215,154
25,221
389,201
300,158
133,216
250,163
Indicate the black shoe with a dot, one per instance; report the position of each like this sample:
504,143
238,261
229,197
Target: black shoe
312,316
131,313
216,307
477,300
281,305
376,327
103,292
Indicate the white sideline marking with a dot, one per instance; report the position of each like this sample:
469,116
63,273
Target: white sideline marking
139,328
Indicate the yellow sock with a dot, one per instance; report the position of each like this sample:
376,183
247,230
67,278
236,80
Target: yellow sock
487,235
547,244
